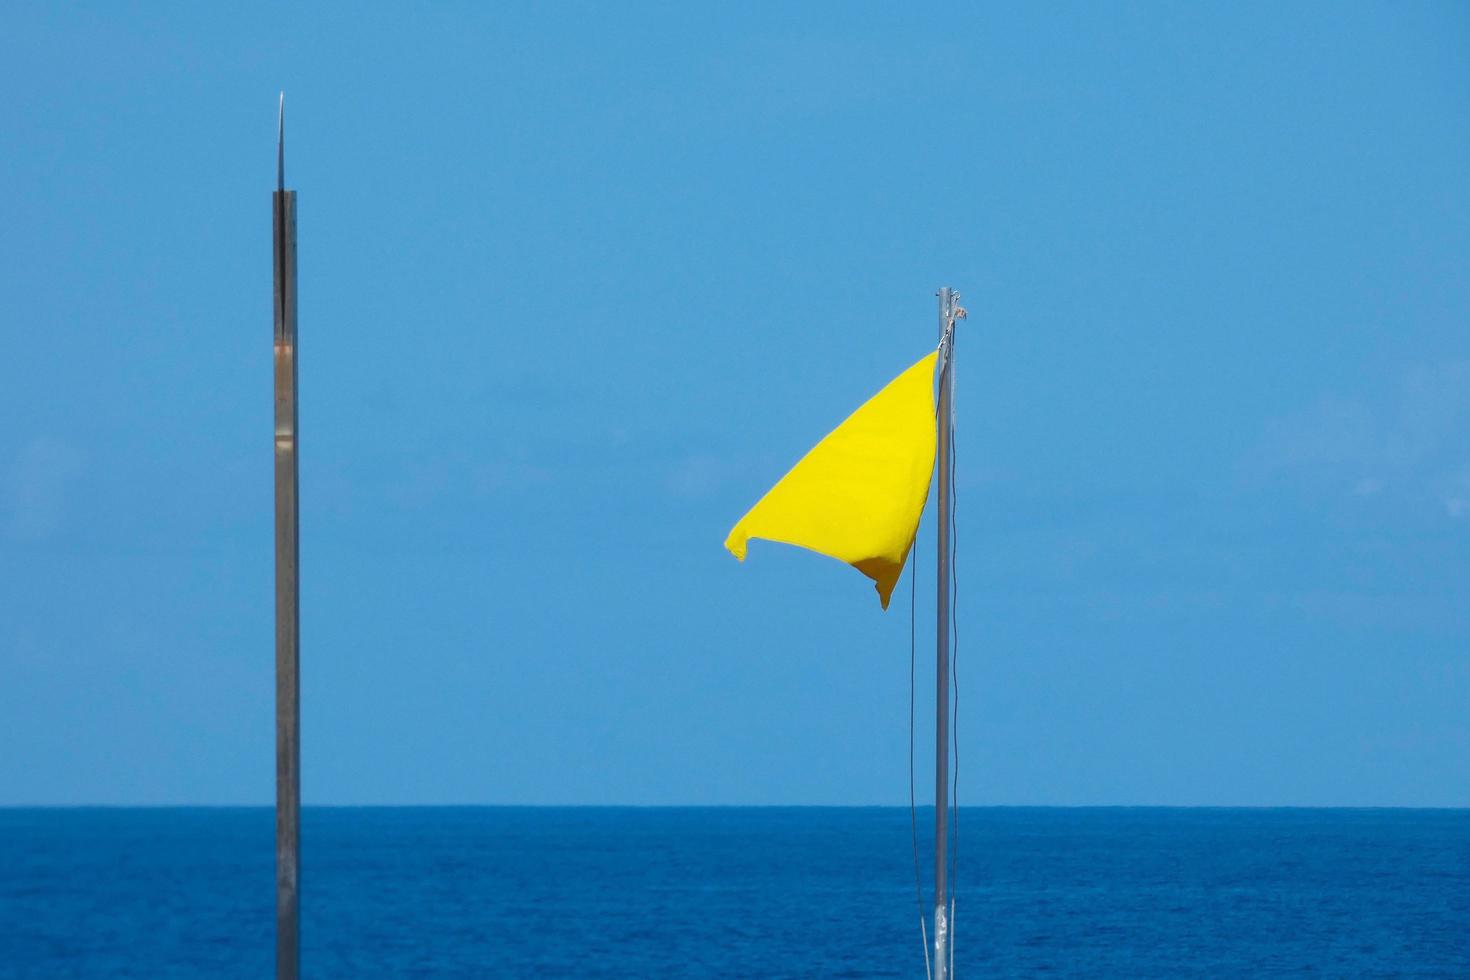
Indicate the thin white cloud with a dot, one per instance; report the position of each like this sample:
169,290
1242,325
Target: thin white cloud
1455,494
698,474
35,487
1368,486
1407,441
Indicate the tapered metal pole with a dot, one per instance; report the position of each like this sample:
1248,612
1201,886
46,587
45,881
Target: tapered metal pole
288,627
941,645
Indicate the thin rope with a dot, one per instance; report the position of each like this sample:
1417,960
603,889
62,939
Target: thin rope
913,808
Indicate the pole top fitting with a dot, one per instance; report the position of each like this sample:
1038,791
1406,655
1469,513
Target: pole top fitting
950,311
950,308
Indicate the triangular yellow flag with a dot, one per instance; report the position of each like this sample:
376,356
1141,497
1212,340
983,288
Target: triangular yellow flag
858,494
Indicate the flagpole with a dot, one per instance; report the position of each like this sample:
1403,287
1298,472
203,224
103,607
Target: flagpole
288,628
947,299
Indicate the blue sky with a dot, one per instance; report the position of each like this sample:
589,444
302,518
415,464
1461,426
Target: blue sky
579,282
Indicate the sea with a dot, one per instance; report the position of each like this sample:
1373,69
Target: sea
738,892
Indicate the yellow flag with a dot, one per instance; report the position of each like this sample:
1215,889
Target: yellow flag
857,495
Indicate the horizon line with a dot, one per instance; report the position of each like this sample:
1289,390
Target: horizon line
733,806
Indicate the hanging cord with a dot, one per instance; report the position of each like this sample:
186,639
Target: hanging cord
913,809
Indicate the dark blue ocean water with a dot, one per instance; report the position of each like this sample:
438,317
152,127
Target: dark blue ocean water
736,892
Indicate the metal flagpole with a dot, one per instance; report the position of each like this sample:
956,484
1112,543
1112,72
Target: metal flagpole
947,312
288,552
